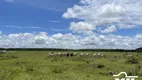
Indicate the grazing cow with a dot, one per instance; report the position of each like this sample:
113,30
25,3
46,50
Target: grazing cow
100,55
94,54
56,54
50,54
59,54
68,54
81,54
74,54
3,51
65,54
87,54
71,55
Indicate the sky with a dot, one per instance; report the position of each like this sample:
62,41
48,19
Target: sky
71,24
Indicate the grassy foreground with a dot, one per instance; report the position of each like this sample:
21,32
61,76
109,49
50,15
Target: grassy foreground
36,65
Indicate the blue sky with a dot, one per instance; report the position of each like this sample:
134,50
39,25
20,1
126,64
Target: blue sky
71,23
22,14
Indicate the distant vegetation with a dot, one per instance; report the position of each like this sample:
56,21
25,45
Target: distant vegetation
57,49
139,49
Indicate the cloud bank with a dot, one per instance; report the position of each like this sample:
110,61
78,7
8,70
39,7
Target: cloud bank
69,41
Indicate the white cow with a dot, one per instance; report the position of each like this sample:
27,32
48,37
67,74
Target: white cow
94,54
100,55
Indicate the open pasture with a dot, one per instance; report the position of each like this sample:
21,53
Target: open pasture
39,65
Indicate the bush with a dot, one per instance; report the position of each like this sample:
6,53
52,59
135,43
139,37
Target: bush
110,73
135,70
30,69
132,60
100,66
57,70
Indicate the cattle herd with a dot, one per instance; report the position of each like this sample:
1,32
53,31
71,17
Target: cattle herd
69,54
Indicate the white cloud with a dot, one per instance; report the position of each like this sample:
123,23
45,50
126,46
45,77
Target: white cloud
33,27
11,26
59,30
111,41
110,29
41,38
23,27
81,27
139,36
57,36
70,41
122,13
0,32
111,11
124,26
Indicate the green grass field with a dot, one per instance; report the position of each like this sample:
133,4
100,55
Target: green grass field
36,65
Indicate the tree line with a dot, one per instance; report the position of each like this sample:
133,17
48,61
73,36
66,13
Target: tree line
57,49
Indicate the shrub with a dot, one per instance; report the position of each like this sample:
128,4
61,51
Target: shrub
30,69
135,70
110,73
132,60
100,66
57,70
